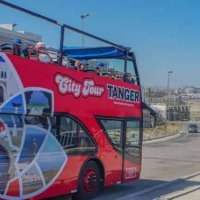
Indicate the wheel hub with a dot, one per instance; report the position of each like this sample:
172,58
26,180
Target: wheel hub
90,181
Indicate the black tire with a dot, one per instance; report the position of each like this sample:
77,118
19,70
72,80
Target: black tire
89,173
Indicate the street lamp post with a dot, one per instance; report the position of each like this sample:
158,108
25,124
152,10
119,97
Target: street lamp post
83,17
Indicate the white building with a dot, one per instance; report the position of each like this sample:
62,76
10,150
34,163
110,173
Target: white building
161,109
9,35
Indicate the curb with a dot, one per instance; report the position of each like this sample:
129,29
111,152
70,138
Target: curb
162,139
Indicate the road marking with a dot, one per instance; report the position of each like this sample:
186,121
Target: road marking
180,195
156,187
187,190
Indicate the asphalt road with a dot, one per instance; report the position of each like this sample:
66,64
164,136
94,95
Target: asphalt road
162,162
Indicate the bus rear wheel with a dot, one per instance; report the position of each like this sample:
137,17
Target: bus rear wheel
90,183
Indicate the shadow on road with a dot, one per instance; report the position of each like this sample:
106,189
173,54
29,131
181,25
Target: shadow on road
120,191
117,191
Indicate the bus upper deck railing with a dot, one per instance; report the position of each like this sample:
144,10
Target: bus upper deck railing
51,56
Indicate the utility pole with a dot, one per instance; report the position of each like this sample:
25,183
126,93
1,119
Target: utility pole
169,73
83,17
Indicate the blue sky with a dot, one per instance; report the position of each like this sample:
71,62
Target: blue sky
163,33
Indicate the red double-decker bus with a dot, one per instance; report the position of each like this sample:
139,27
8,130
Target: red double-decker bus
65,130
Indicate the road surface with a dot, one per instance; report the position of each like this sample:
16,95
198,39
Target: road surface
162,163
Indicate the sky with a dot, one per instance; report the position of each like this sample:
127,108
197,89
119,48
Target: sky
164,34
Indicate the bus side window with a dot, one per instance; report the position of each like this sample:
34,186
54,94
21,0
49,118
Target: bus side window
70,134
131,73
40,121
113,128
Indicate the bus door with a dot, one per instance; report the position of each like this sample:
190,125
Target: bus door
131,147
125,138
113,127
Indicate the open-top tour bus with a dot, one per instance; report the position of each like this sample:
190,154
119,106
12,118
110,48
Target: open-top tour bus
67,131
